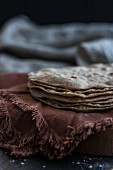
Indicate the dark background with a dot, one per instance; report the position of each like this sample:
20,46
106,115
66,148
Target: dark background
58,11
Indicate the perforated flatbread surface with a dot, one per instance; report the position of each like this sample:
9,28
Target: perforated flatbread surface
78,78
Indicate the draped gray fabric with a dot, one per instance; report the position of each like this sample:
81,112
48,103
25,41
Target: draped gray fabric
27,46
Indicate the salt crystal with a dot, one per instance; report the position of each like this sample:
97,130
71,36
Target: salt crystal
90,166
44,166
78,163
100,166
13,160
22,163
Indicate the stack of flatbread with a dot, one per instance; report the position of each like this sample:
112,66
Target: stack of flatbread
77,88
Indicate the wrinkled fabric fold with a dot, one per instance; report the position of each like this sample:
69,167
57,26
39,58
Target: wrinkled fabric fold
100,51
35,46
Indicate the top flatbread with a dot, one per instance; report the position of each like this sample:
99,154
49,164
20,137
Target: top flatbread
76,78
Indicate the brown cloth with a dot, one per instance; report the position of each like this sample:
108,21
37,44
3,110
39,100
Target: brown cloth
28,126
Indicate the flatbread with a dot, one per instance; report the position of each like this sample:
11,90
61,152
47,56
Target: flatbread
79,108
76,78
38,93
70,94
85,107
78,88
35,84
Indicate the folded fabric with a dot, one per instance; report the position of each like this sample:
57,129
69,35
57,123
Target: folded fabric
28,126
10,63
71,43
97,51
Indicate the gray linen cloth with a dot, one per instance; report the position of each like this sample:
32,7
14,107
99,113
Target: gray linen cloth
27,46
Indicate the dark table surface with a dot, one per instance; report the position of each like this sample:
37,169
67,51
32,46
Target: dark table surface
72,162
